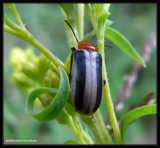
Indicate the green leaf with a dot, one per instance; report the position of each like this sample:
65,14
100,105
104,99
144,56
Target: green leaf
69,9
97,9
56,105
108,23
102,23
135,114
118,39
89,35
89,10
63,117
105,8
70,109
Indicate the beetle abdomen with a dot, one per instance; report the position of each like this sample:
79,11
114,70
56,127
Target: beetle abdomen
86,80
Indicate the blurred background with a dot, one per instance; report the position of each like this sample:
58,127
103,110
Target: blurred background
137,22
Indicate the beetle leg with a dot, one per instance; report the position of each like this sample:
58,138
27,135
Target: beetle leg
73,49
104,82
69,77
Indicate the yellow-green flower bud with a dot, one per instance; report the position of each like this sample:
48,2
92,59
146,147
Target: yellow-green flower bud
51,79
17,57
23,82
30,70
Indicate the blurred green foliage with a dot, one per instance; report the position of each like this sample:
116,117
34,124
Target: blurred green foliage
135,21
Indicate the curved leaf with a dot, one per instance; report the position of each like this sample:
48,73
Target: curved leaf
56,105
118,39
135,114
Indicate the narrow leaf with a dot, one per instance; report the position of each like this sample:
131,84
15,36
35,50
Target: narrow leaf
102,23
56,105
89,10
118,39
135,114
108,23
69,9
89,35
105,8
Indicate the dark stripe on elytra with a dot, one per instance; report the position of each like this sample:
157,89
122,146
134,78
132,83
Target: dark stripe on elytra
70,68
99,81
71,60
80,78
87,112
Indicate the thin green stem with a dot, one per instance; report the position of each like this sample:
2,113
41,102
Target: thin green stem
99,24
107,94
13,9
15,33
103,128
74,130
14,26
69,34
97,126
53,68
77,129
46,52
21,32
85,136
36,44
80,20
111,111
18,18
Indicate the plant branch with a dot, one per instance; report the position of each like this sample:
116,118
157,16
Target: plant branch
21,32
80,20
132,76
77,129
13,32
36,44
107,95
97,126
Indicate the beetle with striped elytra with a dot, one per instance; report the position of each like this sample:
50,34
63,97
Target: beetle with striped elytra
86,77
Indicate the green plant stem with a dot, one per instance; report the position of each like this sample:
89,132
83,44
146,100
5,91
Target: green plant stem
80,19
103,128
111,111
69,34
77,129
82,132
15,33
107,94
53,68
13,9
97,126
18,18
13,25
21,32
30,39
46,52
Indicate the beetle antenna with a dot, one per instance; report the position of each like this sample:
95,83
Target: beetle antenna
72,30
